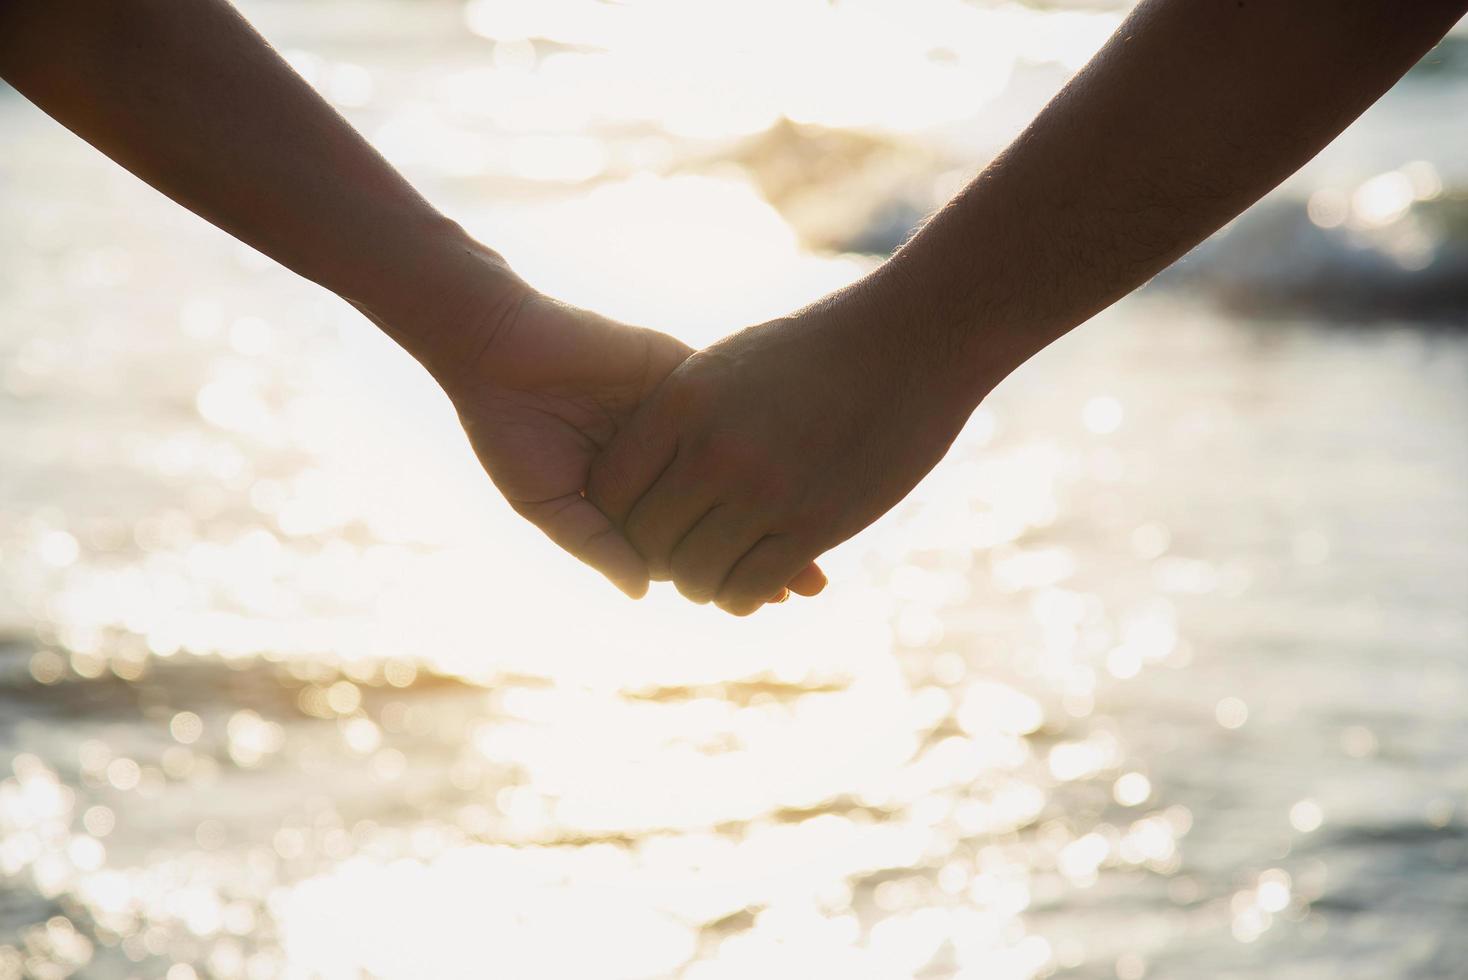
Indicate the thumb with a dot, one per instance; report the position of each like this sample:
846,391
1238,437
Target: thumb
809,581
578,527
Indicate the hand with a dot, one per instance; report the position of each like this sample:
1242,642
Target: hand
550,388
772,446
541,387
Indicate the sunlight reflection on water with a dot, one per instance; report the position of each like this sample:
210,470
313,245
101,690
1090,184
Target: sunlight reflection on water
291,693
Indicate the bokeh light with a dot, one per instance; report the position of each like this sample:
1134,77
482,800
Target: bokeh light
1163,666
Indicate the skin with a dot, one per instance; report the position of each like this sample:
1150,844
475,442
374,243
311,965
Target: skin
780,442
188,97
755,456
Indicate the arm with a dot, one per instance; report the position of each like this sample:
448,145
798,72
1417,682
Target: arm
187,96
786,439
1191,112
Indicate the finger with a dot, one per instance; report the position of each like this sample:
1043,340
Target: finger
762,572
665,514
809,581
636,459
703,559
578,527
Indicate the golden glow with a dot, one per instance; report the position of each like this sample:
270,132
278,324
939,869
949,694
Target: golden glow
346,714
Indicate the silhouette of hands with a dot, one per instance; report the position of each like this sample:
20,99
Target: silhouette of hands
766,449
547,388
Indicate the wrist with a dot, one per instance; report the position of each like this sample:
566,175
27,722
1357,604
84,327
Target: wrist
924,341
446,297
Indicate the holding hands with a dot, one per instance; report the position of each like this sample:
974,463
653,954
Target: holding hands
772,446
542,388
730,470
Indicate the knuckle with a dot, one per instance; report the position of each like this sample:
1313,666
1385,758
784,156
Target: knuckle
760,585
686,573
694,591
638,528
645,540
739,608
699,385
742,593
696,577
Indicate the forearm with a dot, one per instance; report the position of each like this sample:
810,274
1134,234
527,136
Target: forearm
1191,112
188,97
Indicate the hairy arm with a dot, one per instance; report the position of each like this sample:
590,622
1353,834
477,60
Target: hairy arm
789,437
1190,113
